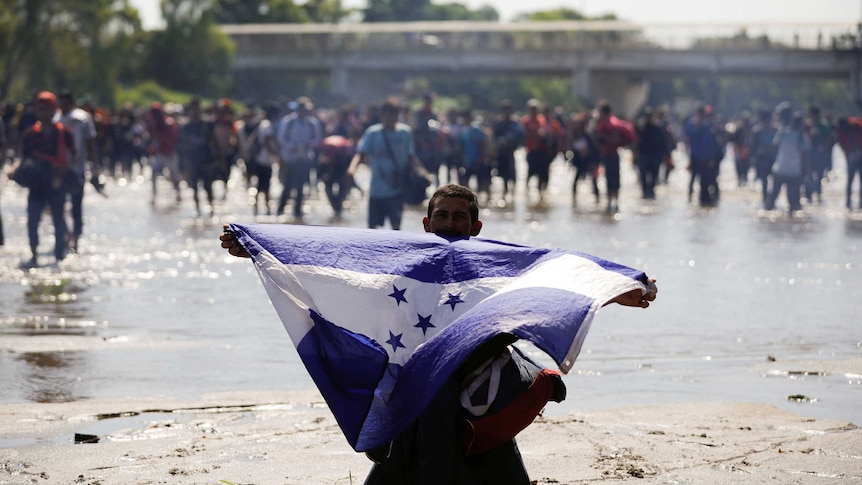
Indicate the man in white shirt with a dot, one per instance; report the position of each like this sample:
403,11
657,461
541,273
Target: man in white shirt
298,136
83,130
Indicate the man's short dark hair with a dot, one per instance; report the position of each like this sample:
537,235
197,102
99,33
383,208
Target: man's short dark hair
603,107
457,192
391,105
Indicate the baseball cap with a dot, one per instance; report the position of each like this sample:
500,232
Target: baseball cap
46,97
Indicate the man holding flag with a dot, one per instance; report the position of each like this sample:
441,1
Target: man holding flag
401,333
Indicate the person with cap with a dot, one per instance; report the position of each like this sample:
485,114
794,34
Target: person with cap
792,146
83,130
298,136
49,145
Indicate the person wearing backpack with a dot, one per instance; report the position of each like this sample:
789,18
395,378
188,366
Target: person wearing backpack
790,160
298,136
261,153
762,150
49,145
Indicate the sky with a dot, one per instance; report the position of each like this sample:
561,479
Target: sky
646,11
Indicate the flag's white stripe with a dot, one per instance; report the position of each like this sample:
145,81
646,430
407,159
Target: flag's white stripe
577,275
359,301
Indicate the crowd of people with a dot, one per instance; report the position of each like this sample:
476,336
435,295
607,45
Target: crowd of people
198,148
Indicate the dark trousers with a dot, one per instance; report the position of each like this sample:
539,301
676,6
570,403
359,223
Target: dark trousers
854,167
792,184
612,173
648,167
293,177
76,196
707,171
538,165
37,200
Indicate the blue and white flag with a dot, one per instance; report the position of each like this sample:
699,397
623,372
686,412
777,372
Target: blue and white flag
381,319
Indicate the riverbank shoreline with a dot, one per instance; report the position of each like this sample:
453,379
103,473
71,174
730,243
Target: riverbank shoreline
292,438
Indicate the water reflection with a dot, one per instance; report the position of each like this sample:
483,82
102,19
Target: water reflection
62,290
853,226
48,376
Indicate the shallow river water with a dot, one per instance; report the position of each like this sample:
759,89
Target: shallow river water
753,306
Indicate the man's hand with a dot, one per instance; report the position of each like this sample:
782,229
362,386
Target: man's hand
229,242
636,297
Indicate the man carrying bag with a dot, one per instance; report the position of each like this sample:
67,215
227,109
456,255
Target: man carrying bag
46,149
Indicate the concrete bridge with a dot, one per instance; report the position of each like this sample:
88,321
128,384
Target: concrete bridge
613,60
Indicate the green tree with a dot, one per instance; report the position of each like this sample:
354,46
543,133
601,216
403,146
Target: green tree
191,54
458,11
395,10
413,10
63,44
259,12
326,11
561,13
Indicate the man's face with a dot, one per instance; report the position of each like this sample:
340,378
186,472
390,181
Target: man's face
388,117
65,104
451,217
44,111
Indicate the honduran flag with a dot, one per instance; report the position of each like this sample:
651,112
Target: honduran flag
381,319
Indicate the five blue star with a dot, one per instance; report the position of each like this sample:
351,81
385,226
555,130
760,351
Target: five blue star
424,323
454,300
395,341
398,295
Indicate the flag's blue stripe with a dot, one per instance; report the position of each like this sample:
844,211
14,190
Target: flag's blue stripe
346,367
549,318
423,257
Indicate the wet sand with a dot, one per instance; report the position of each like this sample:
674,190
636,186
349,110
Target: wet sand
291,438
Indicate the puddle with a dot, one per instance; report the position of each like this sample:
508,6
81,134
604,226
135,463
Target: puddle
17,442
124,427
149,424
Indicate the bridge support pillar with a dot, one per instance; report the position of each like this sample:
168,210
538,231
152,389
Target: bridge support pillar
339,79
625,93
581,85
856,82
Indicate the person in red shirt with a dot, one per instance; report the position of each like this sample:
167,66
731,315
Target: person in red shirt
850,140
537,130
51,146
612,134
164,136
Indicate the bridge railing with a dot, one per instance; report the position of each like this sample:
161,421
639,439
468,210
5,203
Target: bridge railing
534,36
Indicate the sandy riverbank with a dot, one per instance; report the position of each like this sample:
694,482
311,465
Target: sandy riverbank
291,438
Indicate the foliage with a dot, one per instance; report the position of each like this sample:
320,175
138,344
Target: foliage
53,44
458,11
561,13
731,95
740,40
191,54
394,10
414,10
486,92
145,93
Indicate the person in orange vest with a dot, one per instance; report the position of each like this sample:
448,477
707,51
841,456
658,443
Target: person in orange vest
51,148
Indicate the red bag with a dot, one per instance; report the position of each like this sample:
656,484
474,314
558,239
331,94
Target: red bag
502,397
